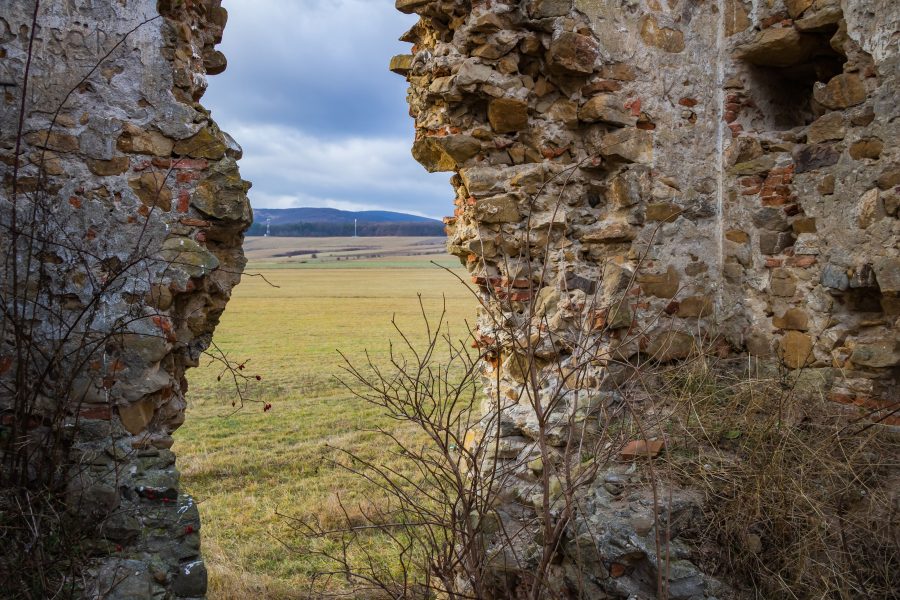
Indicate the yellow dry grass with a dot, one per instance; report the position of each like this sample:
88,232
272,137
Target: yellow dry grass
347,252
247,467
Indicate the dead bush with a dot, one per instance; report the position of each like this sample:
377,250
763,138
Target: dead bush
801,502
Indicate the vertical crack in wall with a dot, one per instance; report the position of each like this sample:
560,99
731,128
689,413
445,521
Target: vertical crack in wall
721,53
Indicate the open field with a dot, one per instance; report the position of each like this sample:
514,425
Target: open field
346,252
245,467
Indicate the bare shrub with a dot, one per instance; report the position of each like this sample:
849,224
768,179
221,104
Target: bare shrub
800,498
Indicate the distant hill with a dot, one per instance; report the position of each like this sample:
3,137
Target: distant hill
331,222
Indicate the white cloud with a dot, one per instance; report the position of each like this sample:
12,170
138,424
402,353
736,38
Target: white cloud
342,31
321,119
290,166
286,154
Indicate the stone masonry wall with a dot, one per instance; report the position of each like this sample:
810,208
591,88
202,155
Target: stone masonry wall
666,173
121,245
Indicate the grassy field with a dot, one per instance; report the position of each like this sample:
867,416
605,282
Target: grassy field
245,468
347,253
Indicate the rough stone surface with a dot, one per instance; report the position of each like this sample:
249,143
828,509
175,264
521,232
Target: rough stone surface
150,208
729,168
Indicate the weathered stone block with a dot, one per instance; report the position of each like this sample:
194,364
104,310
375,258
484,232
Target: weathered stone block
695,306
401,64
630,144
542,9
205,144
507,115
629,187
821,19
889,178
835,277
481,181
498,209
779,47
663,211
135,140
770,218
671,345
782,283
185,254
793,318
123,579
841,91
573,54
795,350
774,242
605,108
869,209
814,156
887,273
609,233
665,285
53,140
106,168
152,190
796,7
736,17
828,127
866,148
191,581
228,204
136,416
876,354
409,6
664,38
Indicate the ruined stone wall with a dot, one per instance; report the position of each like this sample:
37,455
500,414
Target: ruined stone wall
122,221
645,180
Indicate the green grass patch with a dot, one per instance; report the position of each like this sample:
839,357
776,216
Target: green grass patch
246,467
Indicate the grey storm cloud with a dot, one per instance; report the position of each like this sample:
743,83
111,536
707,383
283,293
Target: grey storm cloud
322,121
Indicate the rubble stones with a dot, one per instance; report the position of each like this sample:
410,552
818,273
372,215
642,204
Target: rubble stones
146,193
153,190
106,168
674,201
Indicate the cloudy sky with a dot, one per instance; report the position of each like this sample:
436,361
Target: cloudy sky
322,121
